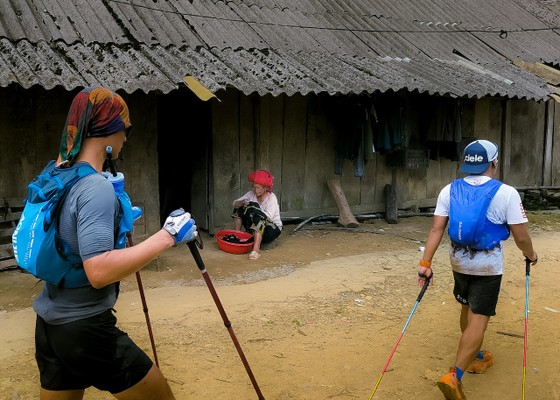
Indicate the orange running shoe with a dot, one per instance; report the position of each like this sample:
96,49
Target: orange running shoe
479,366
450,386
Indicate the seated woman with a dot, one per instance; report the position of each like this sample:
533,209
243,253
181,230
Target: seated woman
258,211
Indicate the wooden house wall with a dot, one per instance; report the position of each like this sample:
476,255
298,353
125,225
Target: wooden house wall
294,138
31,123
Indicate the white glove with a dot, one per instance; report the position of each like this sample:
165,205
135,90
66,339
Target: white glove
180,226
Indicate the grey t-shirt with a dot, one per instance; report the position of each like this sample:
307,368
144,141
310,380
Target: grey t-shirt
87,225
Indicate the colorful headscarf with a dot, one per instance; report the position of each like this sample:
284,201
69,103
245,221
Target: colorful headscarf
262,177
94,112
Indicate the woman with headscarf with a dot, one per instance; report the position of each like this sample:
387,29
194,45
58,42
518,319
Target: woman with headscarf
77,342
258,211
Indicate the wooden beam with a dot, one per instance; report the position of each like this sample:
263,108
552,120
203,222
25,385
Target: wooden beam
546,73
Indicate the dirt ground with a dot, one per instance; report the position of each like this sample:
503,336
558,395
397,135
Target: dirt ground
317,317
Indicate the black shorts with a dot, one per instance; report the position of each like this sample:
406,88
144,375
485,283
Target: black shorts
89,352
480,293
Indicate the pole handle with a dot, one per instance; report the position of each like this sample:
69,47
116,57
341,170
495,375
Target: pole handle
426,284
196,255
527,266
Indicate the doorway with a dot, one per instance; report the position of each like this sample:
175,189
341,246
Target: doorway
184,141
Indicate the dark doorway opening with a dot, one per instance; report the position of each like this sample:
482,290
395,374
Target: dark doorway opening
184,138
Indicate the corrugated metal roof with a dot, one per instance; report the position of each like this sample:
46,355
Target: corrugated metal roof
354,27
154,68
280,46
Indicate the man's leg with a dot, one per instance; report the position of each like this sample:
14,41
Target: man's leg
61,394
472,337
473,327
464,319
237,223
152,386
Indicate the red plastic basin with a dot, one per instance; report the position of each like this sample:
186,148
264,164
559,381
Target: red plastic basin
234,248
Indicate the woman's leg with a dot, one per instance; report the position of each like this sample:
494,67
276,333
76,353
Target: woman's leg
257,237
237,223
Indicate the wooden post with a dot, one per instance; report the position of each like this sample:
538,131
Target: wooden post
345,218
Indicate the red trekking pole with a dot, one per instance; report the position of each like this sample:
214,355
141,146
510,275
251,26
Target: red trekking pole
200,264
144,305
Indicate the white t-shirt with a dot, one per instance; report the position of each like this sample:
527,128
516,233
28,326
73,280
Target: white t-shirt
269,206
505,207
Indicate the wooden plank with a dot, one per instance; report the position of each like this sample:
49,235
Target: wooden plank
23,135
549,137
6,251
491,122
416,185
17,142
350,183
8,264
10,217
384,176
293,155
249,127
140,162
526,148
315,161
14,203
225,159
262,134
276,141
368,182
52,108
356,210
556,145
6,234
326,130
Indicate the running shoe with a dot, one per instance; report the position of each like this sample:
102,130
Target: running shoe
451,387
479,366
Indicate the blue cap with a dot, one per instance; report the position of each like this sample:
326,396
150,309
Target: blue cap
478,155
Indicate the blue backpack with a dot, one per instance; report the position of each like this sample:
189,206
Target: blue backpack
38,247
468,225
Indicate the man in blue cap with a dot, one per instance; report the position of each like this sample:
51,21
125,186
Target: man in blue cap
481,213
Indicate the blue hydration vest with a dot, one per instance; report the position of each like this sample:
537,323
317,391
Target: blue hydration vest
38,247
469,226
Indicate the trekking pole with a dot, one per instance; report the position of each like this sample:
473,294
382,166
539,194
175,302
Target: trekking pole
144,305
527,277
200,264
426,283
109,151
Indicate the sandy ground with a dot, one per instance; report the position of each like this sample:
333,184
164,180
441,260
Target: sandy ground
317,317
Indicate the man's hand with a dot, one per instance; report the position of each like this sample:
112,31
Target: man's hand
180,226
423,274
534,258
